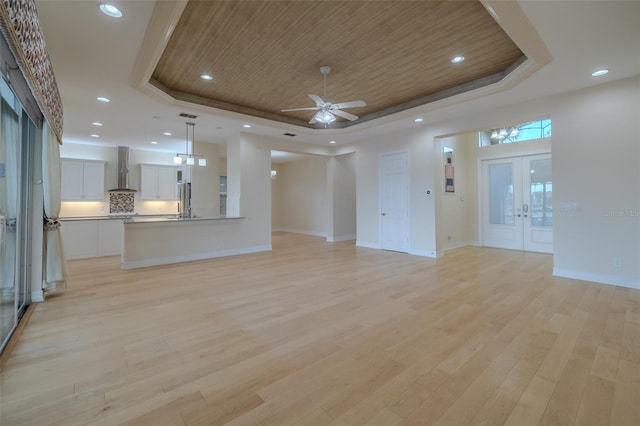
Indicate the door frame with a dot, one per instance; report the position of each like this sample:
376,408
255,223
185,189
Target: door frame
480,180
408,203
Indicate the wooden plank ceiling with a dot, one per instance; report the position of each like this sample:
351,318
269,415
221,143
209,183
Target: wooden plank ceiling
265,55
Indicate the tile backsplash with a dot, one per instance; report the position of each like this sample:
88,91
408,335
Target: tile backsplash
121,202
106,207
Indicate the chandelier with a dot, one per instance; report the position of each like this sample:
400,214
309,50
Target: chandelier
189,158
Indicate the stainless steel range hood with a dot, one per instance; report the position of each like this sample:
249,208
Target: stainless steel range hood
123,171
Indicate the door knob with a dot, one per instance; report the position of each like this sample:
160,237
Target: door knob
384,214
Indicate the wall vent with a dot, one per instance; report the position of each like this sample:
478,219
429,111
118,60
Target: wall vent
187,115
289,134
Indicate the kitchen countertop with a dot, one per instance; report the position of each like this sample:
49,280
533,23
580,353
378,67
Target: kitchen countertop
136,218
114,217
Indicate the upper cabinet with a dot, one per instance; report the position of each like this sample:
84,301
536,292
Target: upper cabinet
158,182
82,180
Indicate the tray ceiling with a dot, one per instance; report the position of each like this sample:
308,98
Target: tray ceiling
265,55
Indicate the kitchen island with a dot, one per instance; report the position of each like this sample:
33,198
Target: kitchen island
164,240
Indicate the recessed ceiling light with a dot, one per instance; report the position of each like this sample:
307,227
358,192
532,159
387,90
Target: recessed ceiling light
246,126
332,141
154,143
457,59
110,10
103,99
419,120
167,133
95,136
207,77
599,73
97,123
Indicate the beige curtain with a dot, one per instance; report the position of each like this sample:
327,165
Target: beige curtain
55,274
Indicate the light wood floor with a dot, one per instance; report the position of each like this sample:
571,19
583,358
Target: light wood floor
316,333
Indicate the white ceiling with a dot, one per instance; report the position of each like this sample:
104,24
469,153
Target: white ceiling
93,55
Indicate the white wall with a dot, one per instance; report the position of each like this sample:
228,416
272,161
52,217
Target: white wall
303,196
596,188
277,198
205,182
595,152
249,187
452,216
341,197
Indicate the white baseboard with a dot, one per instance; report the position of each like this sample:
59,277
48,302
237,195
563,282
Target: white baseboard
192,257
37,296
341,238
453,246
300,231
426,253
423,253
367,244
597,278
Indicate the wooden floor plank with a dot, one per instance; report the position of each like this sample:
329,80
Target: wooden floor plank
316,333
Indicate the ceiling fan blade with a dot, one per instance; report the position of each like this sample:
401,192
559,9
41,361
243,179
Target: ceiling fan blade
318,100
301,109
351,104
344,114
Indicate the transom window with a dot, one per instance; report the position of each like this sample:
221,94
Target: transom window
518,133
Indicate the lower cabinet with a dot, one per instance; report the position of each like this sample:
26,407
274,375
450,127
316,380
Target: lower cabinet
83,239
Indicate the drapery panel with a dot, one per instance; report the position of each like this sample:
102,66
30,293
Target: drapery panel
54,271
8,194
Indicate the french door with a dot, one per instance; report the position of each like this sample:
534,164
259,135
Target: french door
517,203
394,202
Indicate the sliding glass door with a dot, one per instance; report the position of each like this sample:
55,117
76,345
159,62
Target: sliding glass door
17,139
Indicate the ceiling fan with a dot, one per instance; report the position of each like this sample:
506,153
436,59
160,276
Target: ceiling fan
326,109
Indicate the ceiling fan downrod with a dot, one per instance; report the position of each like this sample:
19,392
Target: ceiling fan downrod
325,70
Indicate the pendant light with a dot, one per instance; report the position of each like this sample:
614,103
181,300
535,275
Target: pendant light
190,158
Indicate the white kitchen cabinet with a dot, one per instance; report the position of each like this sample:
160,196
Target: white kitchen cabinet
83,239
80,239
82,180
158,183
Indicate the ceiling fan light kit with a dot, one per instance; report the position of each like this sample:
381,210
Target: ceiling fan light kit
326,110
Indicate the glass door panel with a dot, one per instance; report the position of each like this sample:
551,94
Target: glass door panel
9,202
541,190
502,228
501,194
538,213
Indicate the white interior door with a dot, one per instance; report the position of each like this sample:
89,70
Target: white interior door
517,203
394,202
